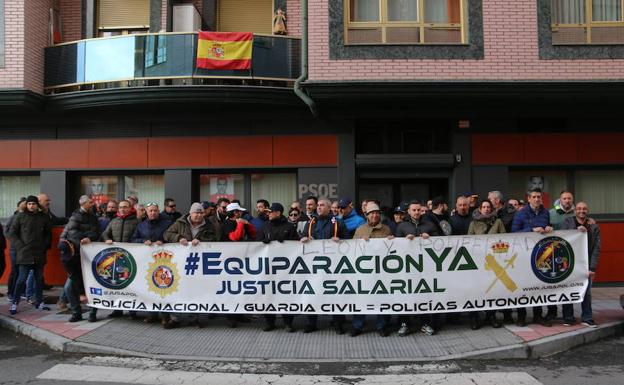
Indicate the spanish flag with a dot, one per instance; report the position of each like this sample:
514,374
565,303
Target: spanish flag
224,50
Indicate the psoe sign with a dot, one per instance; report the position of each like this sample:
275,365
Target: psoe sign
320,190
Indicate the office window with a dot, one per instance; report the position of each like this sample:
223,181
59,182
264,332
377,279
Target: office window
551,183
102,188
587,22
215,186
13,188
405,21
281,188
601,189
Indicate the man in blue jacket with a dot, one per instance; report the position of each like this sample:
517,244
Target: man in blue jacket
350,218
151,231
534,218
324,226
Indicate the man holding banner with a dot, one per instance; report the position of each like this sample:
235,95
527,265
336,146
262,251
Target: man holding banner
324,226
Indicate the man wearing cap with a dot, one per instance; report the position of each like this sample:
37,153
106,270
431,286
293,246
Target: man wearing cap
83,228
398,216
278,229
192,228
210,214
373,228
170,210
29,234
350,218
324,226
235,228
222,204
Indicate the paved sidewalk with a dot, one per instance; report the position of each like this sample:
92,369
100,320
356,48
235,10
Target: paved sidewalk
123,336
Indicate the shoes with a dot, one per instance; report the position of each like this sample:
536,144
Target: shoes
13,309
42,306
493,321
269,327
116,314
568,322
61,305
474,323
355,332
170,324
428,330
521,321
92,317
310,329
403,330
544,321
507,319
340,329
589,323
75,317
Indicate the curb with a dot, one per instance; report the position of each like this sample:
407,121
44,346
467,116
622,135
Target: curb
535,349
53,341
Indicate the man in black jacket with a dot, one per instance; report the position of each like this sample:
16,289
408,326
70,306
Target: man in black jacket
278,229
30,234
82,228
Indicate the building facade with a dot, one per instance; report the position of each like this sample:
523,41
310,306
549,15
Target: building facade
401,99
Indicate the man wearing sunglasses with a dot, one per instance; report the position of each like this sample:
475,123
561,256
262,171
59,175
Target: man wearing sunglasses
170,210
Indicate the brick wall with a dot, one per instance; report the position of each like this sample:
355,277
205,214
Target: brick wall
511,53
293,15
37,37
71,19
12,75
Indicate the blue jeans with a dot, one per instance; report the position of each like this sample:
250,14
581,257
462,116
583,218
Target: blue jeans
22,276
30,284
380,322
71,292
586,308
13,273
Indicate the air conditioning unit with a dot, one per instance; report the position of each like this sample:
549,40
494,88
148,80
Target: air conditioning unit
186,18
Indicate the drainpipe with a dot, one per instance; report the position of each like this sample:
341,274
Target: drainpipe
304,61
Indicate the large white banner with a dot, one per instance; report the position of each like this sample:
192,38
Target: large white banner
379,276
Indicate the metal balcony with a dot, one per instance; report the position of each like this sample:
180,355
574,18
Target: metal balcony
162,59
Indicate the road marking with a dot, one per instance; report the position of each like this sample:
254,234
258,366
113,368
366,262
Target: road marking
92,373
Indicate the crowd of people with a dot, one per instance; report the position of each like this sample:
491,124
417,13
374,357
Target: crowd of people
29,232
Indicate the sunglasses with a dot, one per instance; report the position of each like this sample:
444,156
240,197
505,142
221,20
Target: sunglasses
293,215
172,206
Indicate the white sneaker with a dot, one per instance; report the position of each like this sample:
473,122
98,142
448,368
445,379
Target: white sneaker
403,330
13,308
589,323
428,330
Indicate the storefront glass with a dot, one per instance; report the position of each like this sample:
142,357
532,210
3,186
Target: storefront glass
13,188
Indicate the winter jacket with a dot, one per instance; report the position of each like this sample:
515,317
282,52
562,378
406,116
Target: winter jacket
234,231
2,242
506,215
174,216
278,229
487,226
30,236
151,230
368,231
415,228
325,227
258,222
558,215
81,225
526,219
120,229
593,240
182,229
353,221
460,223
441,224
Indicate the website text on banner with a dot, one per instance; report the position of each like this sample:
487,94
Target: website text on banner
379,276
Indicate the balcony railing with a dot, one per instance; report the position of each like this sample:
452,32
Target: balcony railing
162,59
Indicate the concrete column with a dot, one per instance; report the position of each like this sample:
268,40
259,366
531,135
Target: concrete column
54,183
179,186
